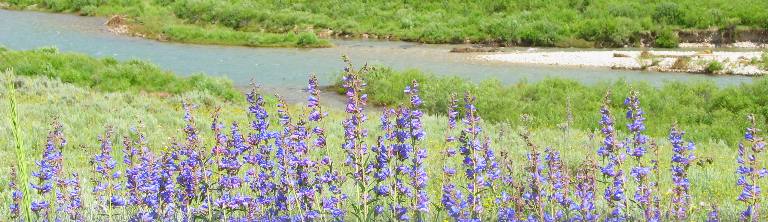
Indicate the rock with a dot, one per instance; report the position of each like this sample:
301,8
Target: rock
325,33
117,24
619,55
474,49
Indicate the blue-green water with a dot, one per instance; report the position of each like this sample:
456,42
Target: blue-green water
287,67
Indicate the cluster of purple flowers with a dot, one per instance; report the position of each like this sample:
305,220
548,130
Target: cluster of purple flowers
750,171
682,158
287,172
16,195
637,147
611,152
481,169
50,170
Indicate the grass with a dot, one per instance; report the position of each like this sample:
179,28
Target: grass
21,156
108,74
84,112
578,23
709,111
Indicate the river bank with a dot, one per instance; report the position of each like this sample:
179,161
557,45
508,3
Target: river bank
705,61
289,67
313,24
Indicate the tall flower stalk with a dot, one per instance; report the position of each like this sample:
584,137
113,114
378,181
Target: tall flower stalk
613,157
328,178
49,172
416,134
535,195
480,168
750,171
355,135
682,157
106,184
16,195
585,190
637,147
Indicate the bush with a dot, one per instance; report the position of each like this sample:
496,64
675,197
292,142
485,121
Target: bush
307,39
668,13
89,10
666,39
714,67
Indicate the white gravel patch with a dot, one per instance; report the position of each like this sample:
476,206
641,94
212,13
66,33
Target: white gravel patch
624,59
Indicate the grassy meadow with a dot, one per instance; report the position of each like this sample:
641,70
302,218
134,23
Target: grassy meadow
85,110
296,23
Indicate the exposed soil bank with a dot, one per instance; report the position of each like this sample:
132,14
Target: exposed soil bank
728,38
736,63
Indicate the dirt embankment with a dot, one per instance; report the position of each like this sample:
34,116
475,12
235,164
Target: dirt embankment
729,37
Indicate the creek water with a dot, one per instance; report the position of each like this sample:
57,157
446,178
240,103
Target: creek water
288,68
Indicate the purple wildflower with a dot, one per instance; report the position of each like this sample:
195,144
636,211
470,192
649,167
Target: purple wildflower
750,172
682,158
480,168
559,181
714,214
355,135
611,152
16,195
535,194
50,168
192,173
74,204
261,174
637,148
106,185
585,190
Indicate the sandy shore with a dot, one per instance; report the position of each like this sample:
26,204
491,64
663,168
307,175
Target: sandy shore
737,63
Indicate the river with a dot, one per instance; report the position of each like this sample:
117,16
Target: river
288,68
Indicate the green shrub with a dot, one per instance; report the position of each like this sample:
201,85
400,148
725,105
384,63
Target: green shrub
307,39
89,10
666,39
668,13
714,67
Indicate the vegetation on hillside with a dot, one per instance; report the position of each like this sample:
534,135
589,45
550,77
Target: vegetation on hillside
565,23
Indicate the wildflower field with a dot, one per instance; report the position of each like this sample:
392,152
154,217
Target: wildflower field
79,154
